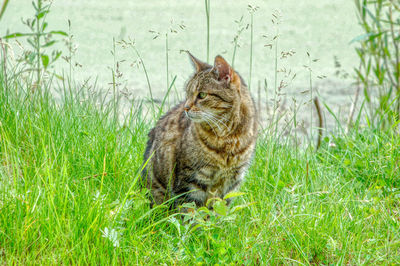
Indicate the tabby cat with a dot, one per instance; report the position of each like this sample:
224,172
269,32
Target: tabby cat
202,147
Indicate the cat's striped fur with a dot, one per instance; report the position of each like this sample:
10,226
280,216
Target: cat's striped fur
203,146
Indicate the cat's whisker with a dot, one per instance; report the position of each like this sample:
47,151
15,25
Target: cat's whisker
218,117
213,120
211,116
222,118
205,119
215,123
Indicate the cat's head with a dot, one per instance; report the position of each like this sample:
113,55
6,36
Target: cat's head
213,92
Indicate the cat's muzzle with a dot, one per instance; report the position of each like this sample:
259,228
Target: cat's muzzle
194,116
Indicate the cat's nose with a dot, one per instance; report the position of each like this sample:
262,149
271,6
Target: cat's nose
186,108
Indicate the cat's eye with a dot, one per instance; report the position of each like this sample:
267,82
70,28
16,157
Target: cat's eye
202,95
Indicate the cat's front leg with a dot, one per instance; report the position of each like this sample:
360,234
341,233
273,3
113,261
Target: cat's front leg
188,193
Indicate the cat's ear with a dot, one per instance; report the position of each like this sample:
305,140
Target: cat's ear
225,72
198,65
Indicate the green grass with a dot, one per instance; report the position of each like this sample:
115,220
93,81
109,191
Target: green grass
69,194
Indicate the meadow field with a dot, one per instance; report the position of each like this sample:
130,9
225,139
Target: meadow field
73,132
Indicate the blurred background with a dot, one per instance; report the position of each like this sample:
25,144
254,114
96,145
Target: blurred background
312,40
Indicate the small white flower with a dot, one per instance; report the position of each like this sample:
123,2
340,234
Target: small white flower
111,235
98,197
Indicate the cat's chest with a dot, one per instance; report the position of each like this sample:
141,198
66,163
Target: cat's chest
211,175
219,181
224,159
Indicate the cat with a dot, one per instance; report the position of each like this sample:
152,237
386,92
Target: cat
203,146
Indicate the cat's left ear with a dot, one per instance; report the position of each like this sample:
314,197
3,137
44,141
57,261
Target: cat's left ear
225,72
199,65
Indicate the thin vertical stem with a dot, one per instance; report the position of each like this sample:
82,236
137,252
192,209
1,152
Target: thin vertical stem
353,106
236,39
251,49
207,5
276,82
311,99
234,54
39,2
266,96
70,49
166,58
276,64
4,63
259,96
114,84
147,76
320,122
295,123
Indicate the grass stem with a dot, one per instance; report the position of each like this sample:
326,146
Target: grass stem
208,10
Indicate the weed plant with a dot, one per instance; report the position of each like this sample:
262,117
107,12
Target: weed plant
378,50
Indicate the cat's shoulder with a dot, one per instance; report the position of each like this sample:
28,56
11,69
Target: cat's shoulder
174,119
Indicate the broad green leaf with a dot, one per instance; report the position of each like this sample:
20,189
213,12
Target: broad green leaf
45,60
234,194
59,32
220,208
211,200
41,14
367,36
44,26
17,34
204,209
50,43
240,207
194,228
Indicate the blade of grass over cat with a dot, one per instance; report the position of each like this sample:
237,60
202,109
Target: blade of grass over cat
165,98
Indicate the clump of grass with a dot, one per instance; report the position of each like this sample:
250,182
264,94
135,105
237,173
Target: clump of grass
379,53
70,193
